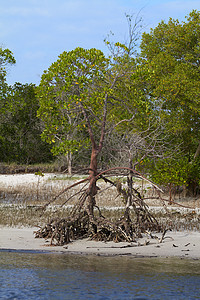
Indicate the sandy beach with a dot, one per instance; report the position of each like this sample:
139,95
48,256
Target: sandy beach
175,244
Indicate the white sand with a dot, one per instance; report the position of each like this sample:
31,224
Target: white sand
15,180
176,244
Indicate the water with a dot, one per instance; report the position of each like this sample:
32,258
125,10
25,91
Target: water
25,275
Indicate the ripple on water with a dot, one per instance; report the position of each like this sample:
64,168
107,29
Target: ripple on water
61,276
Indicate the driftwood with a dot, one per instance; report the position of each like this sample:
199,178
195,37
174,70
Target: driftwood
83,222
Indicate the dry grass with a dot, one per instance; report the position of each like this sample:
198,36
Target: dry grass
29,215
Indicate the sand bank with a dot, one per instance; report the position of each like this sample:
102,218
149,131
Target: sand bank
175,244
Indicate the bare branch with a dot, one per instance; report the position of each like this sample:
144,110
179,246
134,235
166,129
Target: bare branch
134,172
63,191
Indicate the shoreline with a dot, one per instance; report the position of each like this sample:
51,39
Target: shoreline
183,244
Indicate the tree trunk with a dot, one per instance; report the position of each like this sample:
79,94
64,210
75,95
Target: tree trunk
69,162
130,181
92,189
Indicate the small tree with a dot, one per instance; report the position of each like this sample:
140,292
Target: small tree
69,93
84,85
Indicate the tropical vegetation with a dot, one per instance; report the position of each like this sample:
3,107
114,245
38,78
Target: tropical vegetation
138,109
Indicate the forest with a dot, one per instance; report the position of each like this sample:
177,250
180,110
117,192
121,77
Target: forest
136,108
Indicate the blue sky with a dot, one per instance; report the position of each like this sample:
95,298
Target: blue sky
37,31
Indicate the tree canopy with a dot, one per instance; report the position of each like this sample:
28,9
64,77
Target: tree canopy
170,52
71,96
20,129
6,58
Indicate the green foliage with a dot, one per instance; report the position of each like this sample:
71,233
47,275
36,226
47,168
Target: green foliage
194,176
174,171
170,53
20,128
70,86
6,58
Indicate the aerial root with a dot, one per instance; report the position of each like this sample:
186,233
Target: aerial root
84,223
61,232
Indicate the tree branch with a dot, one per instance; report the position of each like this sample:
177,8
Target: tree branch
90,131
